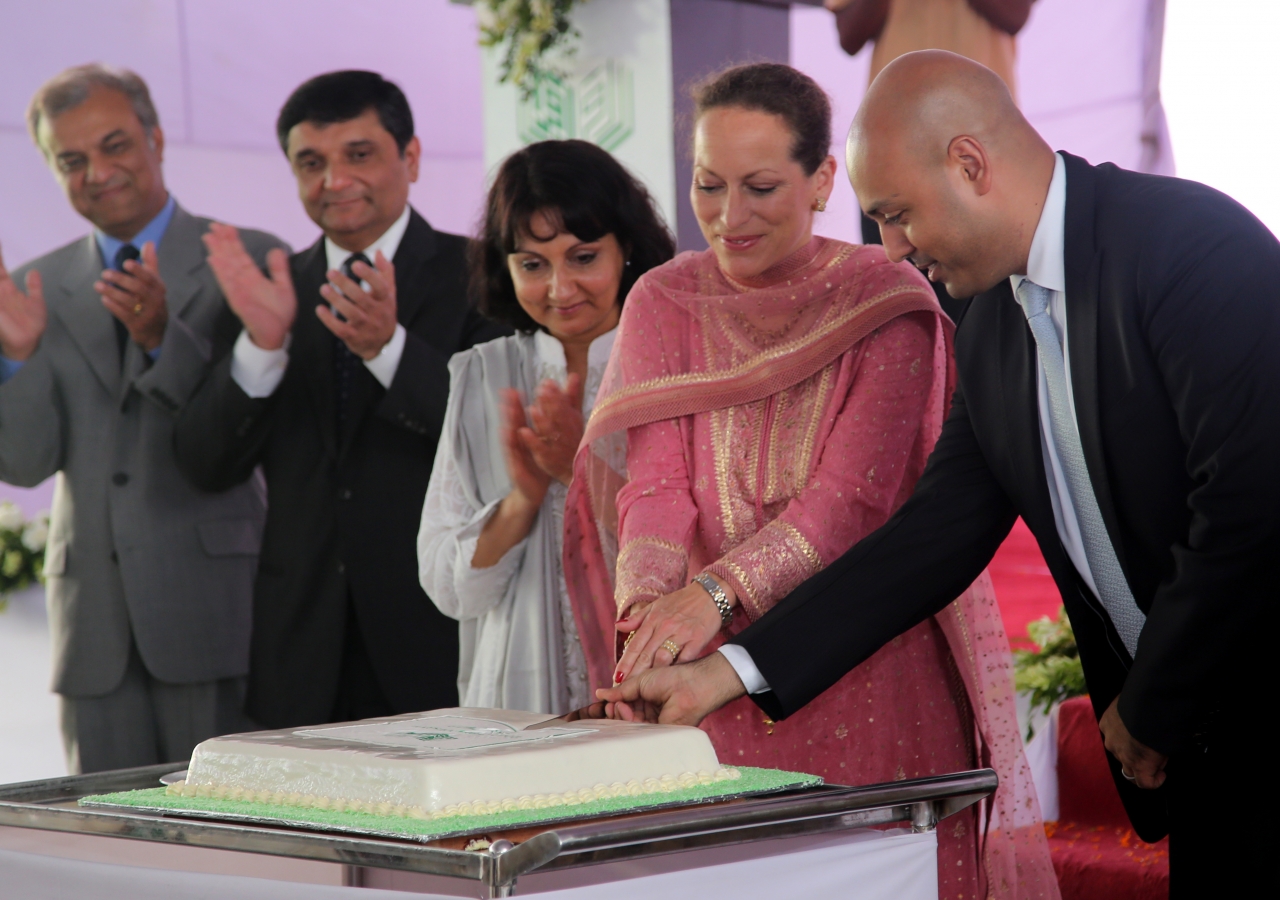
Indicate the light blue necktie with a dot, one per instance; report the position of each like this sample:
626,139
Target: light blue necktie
1116,597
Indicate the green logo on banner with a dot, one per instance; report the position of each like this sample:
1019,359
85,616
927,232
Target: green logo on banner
596,104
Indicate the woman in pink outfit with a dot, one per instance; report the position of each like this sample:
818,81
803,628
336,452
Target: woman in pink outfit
768,403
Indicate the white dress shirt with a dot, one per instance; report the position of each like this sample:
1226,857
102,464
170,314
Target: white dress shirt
1046,266
258,372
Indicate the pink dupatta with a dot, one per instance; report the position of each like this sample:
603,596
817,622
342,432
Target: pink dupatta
665,367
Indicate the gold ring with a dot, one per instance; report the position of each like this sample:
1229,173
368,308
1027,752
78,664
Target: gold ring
137,310
671,647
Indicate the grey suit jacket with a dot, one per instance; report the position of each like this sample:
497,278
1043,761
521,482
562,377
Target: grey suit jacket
135,551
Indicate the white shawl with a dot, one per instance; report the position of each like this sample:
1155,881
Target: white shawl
519,647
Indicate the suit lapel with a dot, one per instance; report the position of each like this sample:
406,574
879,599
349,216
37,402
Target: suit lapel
86,319
412,287
1017,360
313,343
181,256
1083,271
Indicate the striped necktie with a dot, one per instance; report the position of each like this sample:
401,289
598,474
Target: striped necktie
1113,588
345,363
123,255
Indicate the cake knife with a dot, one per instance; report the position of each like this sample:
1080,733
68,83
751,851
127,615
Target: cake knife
594,711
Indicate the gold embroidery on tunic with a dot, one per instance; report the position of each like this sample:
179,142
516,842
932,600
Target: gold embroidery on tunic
815,420
720,423
649,567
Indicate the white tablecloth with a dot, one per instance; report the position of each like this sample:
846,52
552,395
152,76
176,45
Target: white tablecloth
880,866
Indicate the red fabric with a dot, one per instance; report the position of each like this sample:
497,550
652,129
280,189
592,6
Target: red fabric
1095,853
1024,588
1099,862
1086,792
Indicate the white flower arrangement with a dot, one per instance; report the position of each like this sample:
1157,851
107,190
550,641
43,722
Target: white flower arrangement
22,545
1053,672
530,29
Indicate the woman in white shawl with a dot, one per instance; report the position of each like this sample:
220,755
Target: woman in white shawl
567,231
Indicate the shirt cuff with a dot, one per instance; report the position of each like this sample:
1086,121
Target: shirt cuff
384,365
8,368
257,371
740,659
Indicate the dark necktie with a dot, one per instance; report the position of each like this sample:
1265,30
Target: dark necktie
123,255
345,363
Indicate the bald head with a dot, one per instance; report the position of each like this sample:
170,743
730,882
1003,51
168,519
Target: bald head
942,158
922,100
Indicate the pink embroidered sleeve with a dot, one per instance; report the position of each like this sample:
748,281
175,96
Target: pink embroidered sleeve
858,480
656,514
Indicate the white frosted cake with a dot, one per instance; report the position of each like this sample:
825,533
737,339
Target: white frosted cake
452,762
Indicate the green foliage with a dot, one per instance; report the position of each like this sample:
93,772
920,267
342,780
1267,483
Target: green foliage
529,29
21,549
1053,673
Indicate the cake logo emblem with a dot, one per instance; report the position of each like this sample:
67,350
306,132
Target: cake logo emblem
432,735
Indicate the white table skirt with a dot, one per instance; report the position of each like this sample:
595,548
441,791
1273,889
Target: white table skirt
882,866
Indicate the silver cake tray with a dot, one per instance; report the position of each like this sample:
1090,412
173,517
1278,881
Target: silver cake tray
52,805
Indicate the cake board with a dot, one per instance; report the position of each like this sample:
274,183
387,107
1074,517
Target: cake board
752,782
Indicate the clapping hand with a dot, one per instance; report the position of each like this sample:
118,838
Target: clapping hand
675,695
368,318
22,316
538,443
528,479
136,297
557,426
266,307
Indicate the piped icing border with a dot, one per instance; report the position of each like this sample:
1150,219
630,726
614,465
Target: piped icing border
633,788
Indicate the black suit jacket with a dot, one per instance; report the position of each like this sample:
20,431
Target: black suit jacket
343,517
1173,326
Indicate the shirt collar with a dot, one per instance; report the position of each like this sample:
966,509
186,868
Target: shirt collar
153,231
389,243
1046,263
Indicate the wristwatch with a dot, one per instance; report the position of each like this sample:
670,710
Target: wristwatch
718,596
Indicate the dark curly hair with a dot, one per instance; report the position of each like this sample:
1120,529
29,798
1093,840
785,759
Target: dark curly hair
783,91
586,193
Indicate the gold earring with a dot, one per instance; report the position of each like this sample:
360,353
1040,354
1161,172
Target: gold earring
820,205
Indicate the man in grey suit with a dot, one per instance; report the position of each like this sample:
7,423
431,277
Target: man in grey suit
149,580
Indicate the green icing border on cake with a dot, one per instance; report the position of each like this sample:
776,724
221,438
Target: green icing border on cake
751,781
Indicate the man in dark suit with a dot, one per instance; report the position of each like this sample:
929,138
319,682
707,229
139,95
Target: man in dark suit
1118,375
341,403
